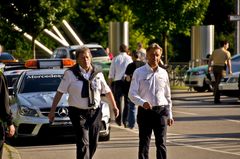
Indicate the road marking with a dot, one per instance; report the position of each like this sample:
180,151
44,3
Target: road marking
195,139
184,113
202,148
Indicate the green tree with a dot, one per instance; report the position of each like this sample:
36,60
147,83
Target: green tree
92,23
160,18
33,16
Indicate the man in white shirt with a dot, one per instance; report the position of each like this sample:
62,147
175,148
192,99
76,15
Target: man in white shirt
84,83
150,90
116,80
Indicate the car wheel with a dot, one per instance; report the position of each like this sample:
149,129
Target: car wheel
199,89
205,87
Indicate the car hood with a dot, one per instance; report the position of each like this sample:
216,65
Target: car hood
194,69
40,99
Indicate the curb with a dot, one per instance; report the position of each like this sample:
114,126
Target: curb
10,152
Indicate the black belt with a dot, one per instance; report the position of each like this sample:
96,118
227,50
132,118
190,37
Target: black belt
158,107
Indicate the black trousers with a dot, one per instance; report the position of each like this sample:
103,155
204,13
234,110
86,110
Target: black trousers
2,138
219,72
148,121
86,124
118,92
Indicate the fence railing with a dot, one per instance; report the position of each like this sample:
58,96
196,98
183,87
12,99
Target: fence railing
176,72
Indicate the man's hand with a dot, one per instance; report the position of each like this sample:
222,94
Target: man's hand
116,111
11,131
51,115
147,105
170,122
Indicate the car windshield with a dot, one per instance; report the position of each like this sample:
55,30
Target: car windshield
41,83
96,52
5,56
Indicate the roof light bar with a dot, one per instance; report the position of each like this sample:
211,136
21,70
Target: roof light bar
49,63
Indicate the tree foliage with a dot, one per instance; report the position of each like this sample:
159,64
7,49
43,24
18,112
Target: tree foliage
33,16
160,18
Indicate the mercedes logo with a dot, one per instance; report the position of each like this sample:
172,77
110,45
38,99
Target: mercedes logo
62,112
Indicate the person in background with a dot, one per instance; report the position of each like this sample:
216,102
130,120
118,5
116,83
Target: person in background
141,49
5,113
116,78
218,61
150,91
84,83
109,53
131,109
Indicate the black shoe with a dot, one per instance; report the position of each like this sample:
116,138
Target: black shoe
217,102
118,123
125,125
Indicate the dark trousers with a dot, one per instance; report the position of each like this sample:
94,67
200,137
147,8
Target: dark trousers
148,121
219,72
118,92
2,138
86,124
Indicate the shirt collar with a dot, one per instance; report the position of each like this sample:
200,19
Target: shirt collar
150,69
84,71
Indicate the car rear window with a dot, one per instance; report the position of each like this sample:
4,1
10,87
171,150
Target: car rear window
41,83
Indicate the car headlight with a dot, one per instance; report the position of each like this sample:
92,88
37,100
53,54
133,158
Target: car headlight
200,72
233,80
26,111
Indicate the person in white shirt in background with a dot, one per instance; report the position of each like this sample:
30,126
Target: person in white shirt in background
150,91
116,80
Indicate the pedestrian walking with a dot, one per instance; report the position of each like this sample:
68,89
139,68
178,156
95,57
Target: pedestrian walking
131,111
218,63
116,79
150,90
84,83
6,125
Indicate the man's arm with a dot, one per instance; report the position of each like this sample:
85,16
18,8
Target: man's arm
56,99
229,64
110,97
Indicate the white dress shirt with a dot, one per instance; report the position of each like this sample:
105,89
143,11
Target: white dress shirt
152,87
71,85
119,65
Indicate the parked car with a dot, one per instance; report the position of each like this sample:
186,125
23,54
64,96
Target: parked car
6,57
198,77
98,52
229,85
32,99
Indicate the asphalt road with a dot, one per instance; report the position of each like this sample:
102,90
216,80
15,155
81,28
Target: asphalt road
201,130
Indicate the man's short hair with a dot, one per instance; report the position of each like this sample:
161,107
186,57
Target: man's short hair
123,48
136,54
82,50
153,46
223,42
